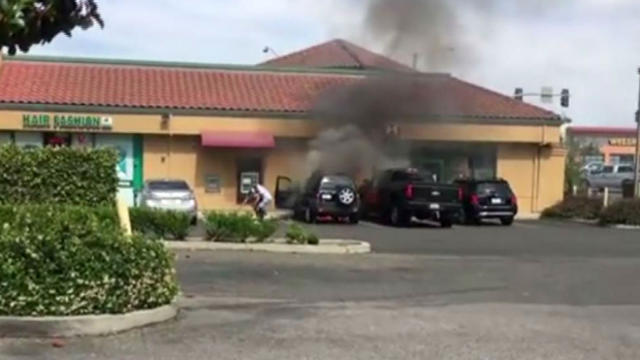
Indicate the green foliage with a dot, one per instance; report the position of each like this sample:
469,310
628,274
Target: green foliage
57,176
228,227
574,207
263,230
24,23
60,260
297,234
163,224
238,227
623,212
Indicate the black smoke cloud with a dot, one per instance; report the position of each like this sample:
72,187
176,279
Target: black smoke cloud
438,30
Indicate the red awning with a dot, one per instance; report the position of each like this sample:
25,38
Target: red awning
238,139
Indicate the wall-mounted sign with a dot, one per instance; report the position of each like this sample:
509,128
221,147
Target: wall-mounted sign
58,121
622,142
212,184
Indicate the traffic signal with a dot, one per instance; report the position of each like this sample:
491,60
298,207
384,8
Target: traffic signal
564,98
519,95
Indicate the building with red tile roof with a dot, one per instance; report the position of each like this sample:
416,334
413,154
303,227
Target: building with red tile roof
614,144
158,113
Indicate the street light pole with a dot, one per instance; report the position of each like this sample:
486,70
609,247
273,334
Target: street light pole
636,177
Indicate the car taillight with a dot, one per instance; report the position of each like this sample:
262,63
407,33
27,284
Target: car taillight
408,191
514,199
474,199
460,194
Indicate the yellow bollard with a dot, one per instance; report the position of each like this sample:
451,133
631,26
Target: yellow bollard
123,214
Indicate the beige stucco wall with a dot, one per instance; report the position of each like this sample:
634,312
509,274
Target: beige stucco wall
552,176
305,128
536,174
183,157
526,154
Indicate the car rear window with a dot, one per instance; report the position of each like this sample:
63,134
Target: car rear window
333,182
415,176
493,189
168,185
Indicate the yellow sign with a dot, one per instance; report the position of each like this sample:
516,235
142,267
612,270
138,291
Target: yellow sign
622,142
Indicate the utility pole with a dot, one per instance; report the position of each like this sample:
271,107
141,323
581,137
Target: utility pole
636,178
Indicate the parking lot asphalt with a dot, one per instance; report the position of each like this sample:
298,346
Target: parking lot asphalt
536,290
523,239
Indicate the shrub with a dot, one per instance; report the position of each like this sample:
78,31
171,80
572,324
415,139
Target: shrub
574,207
162,224
296,234
624,212
57,176
229,226
264,229
57,260
238,227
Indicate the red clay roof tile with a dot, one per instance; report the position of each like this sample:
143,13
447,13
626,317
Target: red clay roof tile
245,90
338,53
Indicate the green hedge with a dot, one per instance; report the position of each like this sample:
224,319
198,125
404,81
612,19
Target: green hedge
623,212
297,234
238,227
575,207
163,224
57,260
57,176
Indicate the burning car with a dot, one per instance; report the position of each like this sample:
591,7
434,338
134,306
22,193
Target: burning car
324,196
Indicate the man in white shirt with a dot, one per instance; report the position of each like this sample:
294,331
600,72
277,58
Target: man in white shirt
264,198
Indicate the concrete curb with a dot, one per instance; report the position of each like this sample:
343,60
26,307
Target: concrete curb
530,216
327,246
625,227
89,325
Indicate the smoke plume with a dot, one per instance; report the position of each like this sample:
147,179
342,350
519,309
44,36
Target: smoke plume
439,31
357,120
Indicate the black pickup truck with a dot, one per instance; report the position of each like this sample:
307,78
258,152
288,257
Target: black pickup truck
398,195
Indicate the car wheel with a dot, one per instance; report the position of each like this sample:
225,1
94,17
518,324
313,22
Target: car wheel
354,219
310,216
397,217
507,221
464,219
446,222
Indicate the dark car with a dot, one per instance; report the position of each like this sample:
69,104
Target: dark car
323,196
398,195
487,199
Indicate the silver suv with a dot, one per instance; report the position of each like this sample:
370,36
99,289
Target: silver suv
169,194
610,176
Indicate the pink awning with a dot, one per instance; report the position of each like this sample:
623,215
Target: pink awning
238,139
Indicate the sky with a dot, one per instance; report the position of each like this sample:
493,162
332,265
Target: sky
587,46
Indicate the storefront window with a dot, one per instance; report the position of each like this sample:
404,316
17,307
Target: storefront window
57,139
621,158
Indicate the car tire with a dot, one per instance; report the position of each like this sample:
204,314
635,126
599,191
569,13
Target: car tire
446,222
397,217
310,216
346,196
507,221
354,219
194,221
464,218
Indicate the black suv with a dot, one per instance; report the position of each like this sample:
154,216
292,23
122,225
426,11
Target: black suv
487,199
325,196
